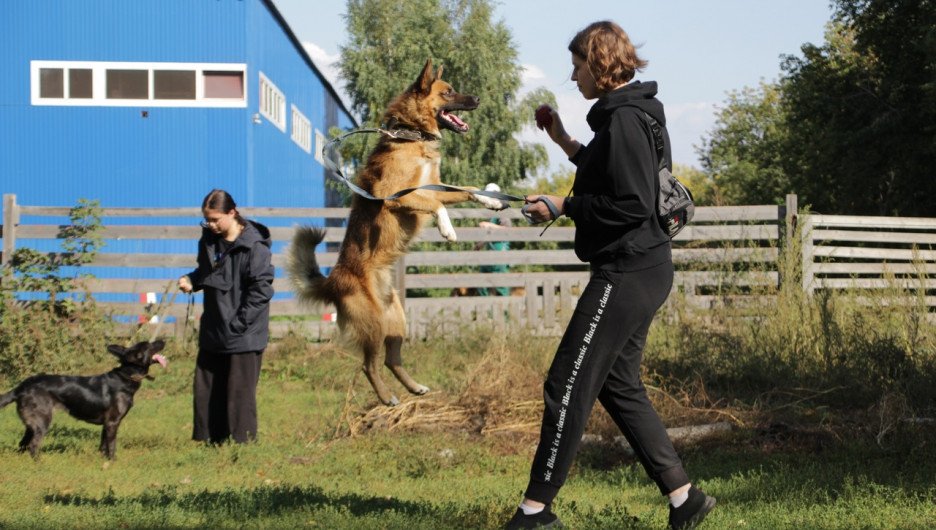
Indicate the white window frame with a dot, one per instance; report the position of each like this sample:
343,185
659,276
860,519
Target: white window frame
99,84
301,130
320,147
272,103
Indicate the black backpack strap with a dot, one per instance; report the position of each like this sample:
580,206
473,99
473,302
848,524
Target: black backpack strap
657,131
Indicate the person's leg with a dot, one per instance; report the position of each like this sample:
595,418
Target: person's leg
623,394
242,395
601,322
625,398
210,374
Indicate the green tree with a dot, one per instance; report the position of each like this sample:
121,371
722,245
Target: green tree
851,125
741,157
703,188
390,40
861,111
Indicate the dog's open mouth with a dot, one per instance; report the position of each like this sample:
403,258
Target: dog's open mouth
451,121
160,359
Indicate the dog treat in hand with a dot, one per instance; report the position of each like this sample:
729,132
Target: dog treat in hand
543,117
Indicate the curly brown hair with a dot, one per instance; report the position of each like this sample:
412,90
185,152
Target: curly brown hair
607,50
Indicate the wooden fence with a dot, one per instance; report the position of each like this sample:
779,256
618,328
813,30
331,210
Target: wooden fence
726,255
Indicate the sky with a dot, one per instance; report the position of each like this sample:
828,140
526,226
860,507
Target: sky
699,51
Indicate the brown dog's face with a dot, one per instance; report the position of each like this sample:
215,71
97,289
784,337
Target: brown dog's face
429,104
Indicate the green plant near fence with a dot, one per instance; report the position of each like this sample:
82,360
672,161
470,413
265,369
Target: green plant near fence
43,322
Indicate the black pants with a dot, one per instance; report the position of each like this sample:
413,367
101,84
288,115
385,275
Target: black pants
225,396
599,357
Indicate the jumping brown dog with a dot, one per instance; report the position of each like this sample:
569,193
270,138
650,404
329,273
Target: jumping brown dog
370,315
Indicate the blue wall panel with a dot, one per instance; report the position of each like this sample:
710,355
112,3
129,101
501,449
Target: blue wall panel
171,156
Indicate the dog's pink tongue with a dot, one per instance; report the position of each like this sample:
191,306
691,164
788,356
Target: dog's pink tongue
160,359
454,119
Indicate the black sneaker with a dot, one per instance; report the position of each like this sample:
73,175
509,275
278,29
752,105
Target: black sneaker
544,519
691,512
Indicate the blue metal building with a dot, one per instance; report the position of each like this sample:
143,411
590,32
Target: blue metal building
151,103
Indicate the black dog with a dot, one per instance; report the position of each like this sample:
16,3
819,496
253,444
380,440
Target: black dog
100,399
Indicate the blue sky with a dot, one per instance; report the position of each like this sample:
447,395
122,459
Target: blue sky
698,51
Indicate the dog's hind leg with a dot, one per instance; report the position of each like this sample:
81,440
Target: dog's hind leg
36,418
372,371
395,327
358,318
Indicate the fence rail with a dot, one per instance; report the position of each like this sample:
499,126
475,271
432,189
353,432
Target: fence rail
735,246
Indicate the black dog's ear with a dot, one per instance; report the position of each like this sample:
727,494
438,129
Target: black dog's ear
117,350
424,81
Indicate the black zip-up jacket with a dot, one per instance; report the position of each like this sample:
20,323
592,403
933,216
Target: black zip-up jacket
238,286
614,202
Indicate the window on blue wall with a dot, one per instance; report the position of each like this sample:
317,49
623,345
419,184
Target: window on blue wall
52,83
127,84
301,130
272,103
80,83
90,83
224,85
174,84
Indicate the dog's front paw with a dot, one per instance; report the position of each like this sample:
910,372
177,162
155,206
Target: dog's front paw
420,390
445,224
490,203
448,232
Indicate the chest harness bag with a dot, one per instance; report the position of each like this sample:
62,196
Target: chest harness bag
674,206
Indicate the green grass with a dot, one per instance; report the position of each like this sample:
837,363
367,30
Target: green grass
301,475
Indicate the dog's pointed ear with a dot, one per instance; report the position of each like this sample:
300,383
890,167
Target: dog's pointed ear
424,82
118,350
439,73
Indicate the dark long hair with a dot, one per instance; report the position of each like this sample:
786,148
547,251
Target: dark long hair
220,200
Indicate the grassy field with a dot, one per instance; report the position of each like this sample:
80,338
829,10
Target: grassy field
328,457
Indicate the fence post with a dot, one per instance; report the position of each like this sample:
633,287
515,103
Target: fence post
10,220
787,233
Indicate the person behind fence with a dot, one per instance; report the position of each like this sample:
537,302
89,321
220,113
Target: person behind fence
499,222
616,231
236,274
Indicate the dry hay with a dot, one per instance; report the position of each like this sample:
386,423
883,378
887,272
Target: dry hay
502,394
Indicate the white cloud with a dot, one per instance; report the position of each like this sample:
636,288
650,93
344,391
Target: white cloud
532,74
328,65
687,124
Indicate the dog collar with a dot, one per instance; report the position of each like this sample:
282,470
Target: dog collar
412,135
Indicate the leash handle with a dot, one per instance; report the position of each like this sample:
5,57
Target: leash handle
553,211
334,163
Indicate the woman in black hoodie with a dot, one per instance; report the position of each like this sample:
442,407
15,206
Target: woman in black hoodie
235,271
613,204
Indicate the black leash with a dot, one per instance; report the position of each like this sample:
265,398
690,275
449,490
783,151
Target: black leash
334,163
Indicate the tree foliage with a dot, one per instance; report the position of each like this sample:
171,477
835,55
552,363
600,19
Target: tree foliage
742,157
389,41
851,125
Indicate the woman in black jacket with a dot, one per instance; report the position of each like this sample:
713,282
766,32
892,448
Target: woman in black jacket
235,271
613,204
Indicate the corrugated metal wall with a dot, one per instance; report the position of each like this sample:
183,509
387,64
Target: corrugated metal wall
156,156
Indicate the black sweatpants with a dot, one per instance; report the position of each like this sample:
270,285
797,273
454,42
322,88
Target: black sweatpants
599,357
225,396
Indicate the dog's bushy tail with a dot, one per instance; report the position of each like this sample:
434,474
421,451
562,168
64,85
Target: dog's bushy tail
7,398
302,268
